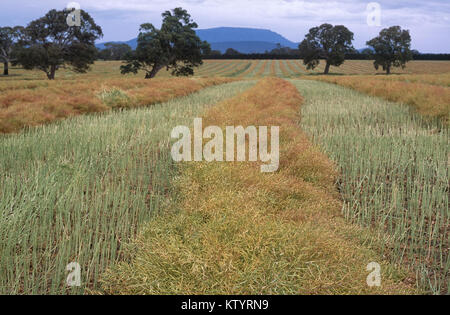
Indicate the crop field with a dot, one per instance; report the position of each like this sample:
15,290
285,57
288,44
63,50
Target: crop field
394,167
87,176
294,68
84,187
247,69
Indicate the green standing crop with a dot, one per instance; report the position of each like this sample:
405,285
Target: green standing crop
395,174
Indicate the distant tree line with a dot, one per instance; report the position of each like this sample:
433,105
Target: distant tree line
420,56
217,55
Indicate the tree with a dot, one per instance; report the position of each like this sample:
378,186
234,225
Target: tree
215,53
326,42
232,52
9,38
175,47
115,51
50,43
392,48
286,51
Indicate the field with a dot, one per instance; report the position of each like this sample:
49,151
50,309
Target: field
244,69
86,176
394,167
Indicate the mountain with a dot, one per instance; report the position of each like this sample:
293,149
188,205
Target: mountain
244,47
245,40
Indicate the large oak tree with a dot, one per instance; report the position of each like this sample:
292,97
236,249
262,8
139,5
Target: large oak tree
326,42
175,47
392,48
50,43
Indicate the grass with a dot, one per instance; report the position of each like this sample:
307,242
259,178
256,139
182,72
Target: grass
78,190
40,102
394,174
432,101
234,230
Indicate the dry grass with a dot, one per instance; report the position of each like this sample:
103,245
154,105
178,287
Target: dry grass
235,230
429,100
25,104
442,79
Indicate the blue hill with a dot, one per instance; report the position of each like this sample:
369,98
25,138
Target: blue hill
245,40
244,47
239,34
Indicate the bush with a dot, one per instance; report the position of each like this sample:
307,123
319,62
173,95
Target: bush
115,97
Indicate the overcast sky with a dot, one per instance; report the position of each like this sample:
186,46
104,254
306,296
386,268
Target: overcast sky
428,21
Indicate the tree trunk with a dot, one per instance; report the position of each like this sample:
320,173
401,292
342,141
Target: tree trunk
388,70
51,73
5,68
327,68
153,73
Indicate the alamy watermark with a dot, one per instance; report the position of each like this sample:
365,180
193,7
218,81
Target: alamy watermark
373,14
74,17
213,149
74,276
374,278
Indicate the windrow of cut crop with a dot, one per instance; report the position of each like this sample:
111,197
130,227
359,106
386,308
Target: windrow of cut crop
44,103
295,69
286,73
251,69
431,101
263,69
236,230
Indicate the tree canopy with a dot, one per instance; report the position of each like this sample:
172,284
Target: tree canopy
232,52
392,48
9,38
50,43
215,53
326,42
175,47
